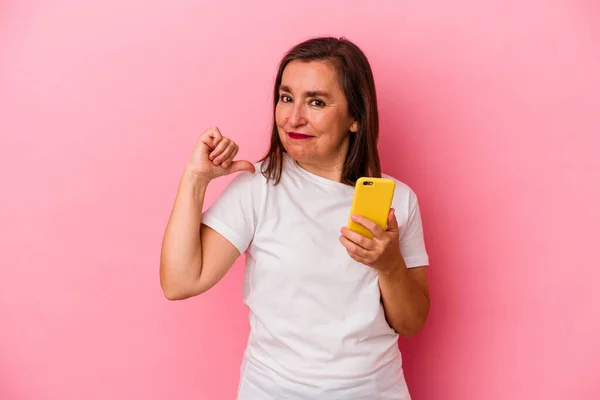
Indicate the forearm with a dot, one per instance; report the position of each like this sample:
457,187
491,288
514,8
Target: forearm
406,306
181,255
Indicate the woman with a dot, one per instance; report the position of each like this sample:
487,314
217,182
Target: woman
326,304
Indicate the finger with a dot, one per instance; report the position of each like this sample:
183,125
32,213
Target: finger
220,148
362,241
357,258
392,223
352,248
225,155
231,156
360,259
215,133
372,226
211,137
241,165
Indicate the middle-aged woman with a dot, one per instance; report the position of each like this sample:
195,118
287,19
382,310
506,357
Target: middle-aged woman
326,304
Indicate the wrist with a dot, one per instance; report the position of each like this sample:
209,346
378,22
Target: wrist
193,183
395,272
194,179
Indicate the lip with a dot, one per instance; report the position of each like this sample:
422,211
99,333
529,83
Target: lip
298,136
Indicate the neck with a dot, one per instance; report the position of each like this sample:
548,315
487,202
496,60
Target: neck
332,171
329,167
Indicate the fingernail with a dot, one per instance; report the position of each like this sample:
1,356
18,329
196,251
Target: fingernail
355,218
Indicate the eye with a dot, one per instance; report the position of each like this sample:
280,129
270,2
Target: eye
317,103
284,98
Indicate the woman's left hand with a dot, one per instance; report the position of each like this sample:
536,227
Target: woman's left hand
382,252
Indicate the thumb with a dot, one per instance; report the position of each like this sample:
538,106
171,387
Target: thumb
392,223
241,165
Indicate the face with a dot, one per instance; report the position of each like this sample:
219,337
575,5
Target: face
312,114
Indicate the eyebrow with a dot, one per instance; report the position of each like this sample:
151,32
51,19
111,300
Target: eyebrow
310,93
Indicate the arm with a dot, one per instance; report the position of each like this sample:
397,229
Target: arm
405,297
194,257
404,291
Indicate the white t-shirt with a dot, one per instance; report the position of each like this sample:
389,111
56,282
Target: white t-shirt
317,325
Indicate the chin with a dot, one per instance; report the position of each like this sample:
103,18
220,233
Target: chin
296,153
292,146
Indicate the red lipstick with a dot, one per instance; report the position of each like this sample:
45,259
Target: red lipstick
298,136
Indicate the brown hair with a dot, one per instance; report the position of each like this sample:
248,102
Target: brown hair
356,81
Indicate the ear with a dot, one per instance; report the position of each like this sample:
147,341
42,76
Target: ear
354,127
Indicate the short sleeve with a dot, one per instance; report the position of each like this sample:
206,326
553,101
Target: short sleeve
412,242
233,214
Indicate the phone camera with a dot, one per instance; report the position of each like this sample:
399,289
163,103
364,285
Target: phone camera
368,183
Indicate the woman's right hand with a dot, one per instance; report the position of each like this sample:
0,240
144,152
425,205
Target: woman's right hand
213,156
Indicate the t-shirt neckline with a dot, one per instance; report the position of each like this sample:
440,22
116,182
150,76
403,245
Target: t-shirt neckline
316,178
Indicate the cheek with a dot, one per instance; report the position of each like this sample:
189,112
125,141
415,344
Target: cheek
328,122
322,122
280,123
279,115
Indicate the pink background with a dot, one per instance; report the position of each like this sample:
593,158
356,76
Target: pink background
489,110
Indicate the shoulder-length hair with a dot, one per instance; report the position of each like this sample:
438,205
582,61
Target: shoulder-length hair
357,84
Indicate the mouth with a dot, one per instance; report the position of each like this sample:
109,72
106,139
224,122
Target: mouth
298,136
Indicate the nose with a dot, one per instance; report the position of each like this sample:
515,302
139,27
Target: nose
296,116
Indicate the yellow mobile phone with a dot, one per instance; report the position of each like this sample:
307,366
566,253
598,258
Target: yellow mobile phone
373,200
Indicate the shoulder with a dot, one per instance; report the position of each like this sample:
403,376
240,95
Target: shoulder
238,192
249,180
407,210
403,193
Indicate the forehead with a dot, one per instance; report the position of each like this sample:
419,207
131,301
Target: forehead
310,76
